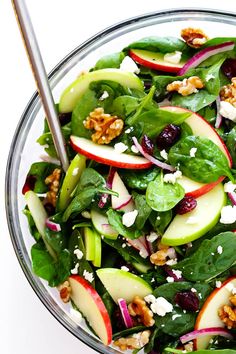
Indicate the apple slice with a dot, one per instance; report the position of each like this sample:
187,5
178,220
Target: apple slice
92,307
70,181
73,92
124,200
101,224
107,154
122,284
190,226
89,241
155,60
208,315
98,249
196,189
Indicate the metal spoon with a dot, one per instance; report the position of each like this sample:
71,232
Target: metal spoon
38,69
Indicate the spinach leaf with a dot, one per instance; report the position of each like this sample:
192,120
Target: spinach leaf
79,203
110,61
57,240
185,130
143,209
139,179
123,106
160,220
202,351
207,166
209,113
160,44
63,267
115,220
127,332
231,144
90,178
222,343
161,196
206,263
40,170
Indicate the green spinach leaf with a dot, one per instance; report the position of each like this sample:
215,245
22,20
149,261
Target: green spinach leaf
143,208
161,196
79,203
160,220
139,179
40,170
90,178
110,61
160,44
115,220
231,144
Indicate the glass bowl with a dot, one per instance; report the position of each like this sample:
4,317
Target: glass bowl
24,149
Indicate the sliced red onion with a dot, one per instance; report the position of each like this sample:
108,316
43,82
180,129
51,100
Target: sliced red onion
212,331
105,196
52,225
47,158
125,313
219,117
232,197
152,159
204,54
138,245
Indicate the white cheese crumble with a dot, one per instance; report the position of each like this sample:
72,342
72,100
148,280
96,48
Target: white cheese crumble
227,110
209,77
192,220
125,269
220,249
193,290
152,237
228,214
79,254
200,296
171,262
88,276
104,96
129,65
134,149
150,298
143,253
192,152
128,218
75,171
173,58
75,269
170,280
229,187
120,147
152,280
128,131
177,273
218,284
164,154
86,214
161,306
123,245
175,316
172,177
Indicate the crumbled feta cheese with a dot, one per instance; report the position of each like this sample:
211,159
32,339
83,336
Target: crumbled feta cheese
150,299
200,296
175,316
212,253
75,315
170,280
104,199
227,110
161,306
177,273
171,262
152,237
173,58
193,290
86,214
120,147
134,149
192,152
220,249
88,276
128,131
209,77
192,220
152,280
218,284
75,269
123,245
75,171
128,218
229,187
104,96
164,154
172,177
126,269
228,214
79,254
129,65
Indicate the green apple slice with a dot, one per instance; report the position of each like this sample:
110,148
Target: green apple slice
72,93
101,224
122,284
98,249
70,181
190,226
90,245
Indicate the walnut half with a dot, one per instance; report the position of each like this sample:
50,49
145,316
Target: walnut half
187,86
106,126
139,308
194,37
228,92
137,341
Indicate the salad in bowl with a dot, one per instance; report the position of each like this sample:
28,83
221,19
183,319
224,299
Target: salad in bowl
138,234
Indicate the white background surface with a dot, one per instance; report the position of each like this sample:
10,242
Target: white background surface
26,327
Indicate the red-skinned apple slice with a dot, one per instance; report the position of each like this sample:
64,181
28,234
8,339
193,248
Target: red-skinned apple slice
208,315
124,200
107,154
200,127
154,60
92,307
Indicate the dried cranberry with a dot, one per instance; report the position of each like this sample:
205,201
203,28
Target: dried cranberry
147,145
229,68
64,118
186,205
187,300
168,137
29,184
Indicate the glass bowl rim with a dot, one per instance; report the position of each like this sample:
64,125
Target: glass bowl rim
35,96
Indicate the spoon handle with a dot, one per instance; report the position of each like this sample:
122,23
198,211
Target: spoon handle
38,69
